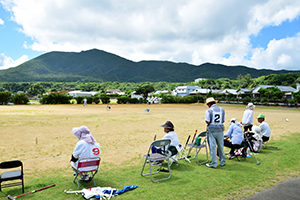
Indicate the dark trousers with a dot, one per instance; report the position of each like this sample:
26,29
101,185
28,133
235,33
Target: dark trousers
232,146
265,139
248,127
172,149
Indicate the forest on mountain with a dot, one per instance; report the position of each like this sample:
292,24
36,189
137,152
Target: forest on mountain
99,66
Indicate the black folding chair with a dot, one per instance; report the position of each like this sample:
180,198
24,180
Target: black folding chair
11,176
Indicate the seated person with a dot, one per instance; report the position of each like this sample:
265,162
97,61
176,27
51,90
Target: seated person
255,139
86,147
170,134
235,136
265,128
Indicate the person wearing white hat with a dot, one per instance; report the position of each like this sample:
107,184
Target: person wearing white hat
86,147
214,118
247,120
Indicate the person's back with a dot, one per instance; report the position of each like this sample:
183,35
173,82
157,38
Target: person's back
173,137
84,149
217,118
235,133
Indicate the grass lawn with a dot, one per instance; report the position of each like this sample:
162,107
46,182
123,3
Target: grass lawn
125,133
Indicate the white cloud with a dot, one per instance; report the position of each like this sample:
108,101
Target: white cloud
178,30
7,62
280,54
1,22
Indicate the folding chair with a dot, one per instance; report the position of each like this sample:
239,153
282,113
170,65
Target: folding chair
87,165
241,151
265,145
16,174
163,144
181,154
199,147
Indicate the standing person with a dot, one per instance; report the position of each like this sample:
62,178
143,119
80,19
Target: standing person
264,128
84,101
214,118
247,120
170,134
86,147
235,136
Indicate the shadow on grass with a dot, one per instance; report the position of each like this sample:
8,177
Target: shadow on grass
235,180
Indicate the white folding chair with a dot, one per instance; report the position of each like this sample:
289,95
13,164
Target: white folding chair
181,154
163,144
87,165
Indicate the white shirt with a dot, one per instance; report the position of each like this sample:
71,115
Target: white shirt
247,117
173,137
265,129
84,149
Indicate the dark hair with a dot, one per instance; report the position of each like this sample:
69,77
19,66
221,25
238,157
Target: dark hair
211,103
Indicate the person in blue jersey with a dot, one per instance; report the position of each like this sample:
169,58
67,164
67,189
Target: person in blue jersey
214,118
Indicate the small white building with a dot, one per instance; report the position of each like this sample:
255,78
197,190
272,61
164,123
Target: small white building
285,89
184,90
138,96
78,93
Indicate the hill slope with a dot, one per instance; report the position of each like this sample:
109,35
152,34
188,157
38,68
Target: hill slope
97,65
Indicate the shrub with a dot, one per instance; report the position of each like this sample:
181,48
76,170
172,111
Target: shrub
104,98
122,99
5,97
96,99
20,98
79,100
56,98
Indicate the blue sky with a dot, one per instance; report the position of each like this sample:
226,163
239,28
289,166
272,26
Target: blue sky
261,34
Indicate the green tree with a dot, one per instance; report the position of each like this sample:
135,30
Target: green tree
36,89
5,97
56,98
144,91
20,98
104,98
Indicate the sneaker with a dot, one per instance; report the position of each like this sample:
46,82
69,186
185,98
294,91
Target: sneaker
86,177
208,165
157,163
230,156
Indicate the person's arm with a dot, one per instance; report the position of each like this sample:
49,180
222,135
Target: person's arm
229,131
207,117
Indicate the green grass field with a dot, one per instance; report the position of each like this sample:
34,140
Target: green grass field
46,162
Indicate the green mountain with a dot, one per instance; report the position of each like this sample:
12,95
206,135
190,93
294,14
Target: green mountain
100,66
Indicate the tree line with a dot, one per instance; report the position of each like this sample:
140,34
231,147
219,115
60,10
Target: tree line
8,90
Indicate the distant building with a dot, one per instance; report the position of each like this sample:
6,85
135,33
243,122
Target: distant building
162,92
285,89
199,79
138,96
79,93
114,91
184,90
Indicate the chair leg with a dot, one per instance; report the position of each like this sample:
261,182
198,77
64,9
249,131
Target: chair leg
22,184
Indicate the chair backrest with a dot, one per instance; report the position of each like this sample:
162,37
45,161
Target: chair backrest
202,134
11,164
163,143
11,175
88,164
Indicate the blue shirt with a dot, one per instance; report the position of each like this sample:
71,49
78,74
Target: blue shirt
235,133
